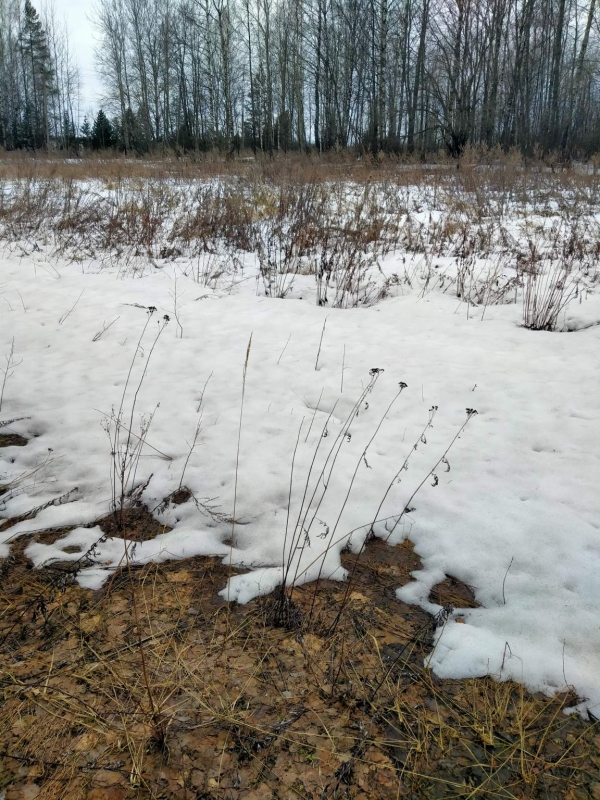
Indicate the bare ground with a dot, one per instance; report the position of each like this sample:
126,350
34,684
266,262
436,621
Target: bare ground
154,688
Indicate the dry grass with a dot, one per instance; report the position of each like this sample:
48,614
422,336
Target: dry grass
477,168
243,709
297,188
291,167
336,218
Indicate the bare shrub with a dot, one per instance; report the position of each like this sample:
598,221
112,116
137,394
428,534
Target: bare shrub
278,264
126,445
546,295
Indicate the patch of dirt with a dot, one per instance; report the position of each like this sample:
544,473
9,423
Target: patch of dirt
12,440
455,593
154,687
180,496
136,524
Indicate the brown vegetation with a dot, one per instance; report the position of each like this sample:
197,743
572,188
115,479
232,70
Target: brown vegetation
154,688
290,167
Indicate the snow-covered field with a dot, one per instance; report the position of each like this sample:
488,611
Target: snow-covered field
328,442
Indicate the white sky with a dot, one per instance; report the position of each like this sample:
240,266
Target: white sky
82,39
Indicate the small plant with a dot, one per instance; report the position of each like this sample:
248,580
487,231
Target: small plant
175,296
343,270
546,295
442,461
8,370
298,537
126,446
278,264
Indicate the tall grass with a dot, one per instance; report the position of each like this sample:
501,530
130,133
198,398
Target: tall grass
337,222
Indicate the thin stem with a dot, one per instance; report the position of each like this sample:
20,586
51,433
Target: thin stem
237,455
284,349
320,343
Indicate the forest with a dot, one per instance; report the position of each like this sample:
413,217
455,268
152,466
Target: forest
382,76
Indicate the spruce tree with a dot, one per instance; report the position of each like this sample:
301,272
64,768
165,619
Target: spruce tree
86,132
102,132
38,78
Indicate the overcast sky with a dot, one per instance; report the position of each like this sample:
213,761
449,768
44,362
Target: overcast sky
82,40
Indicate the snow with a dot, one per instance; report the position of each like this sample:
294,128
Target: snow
516,509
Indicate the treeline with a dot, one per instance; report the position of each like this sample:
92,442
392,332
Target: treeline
389,75
38,80
382,75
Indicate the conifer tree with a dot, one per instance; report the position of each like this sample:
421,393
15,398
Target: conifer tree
68,132
102,132
86,132
38,78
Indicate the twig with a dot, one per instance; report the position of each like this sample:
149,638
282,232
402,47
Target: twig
320,343
9,371
56,501
289,504
504,581
189,455
237,457
139,438
471,412
64,316
5,422
104,329
174,295
284,349
314,415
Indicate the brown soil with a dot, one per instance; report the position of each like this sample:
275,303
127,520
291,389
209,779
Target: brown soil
452,592
135,524
12,440
153,687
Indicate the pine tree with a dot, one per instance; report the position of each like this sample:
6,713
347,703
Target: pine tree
38,78
102,132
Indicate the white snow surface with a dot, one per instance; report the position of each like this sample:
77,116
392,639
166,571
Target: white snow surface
515,514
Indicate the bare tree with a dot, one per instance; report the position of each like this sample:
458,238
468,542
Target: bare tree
399,75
